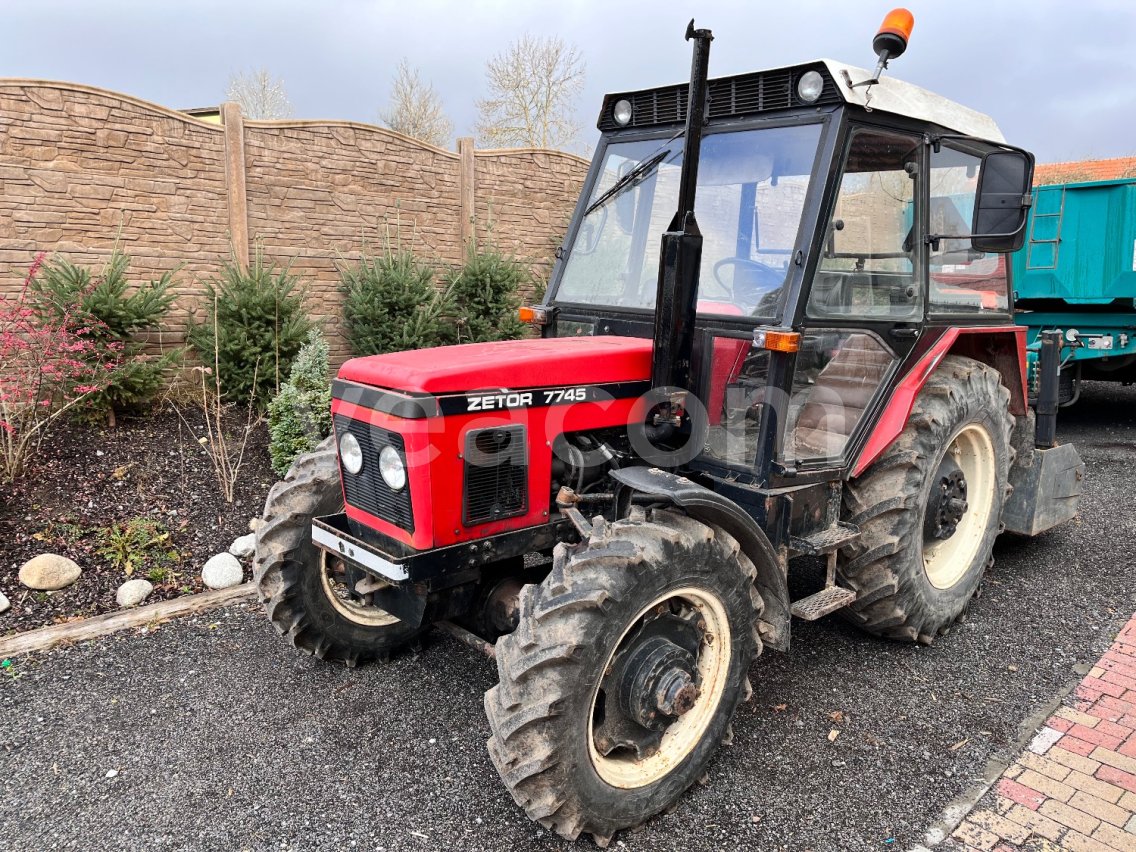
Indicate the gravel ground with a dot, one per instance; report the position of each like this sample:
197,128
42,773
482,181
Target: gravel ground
223,738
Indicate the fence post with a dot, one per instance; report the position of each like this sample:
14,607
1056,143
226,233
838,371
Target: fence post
236,194
466,188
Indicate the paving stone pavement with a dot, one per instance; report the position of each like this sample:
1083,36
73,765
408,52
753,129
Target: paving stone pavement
1074,786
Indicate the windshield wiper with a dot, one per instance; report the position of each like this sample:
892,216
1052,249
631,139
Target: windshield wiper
629,180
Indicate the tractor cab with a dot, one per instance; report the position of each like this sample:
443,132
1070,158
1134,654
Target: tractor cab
780,326
839,217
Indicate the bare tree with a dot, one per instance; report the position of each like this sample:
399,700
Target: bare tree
260,95
415,108
533,87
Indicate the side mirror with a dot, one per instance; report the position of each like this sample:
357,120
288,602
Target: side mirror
588,237
1002,201
625,211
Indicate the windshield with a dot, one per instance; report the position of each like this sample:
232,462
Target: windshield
751,192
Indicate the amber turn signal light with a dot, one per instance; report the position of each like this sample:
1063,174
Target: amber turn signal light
894,33
536,315
777,341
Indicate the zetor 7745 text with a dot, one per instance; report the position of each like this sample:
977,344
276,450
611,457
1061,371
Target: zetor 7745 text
780,326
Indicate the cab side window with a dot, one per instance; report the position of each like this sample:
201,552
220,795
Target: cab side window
963,279
869,265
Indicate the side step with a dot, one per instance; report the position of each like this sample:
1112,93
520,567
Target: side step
828,540
824,543
822,603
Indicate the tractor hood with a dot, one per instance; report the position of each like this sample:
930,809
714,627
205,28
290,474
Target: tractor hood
508,364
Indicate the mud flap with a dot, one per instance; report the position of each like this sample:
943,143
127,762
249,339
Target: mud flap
1047,491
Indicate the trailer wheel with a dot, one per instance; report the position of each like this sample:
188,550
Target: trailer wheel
621,679
307,595
929,509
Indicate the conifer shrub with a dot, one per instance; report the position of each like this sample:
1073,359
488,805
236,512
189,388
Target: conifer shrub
103,309
390,304
299,417
252,327
485,293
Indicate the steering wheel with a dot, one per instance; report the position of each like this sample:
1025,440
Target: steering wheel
756,279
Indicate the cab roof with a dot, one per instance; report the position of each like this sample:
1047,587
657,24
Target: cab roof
762,92
906,99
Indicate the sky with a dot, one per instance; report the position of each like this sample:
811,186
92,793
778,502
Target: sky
1057,75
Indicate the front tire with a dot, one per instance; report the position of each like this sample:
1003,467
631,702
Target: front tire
308,597
621,679
930,508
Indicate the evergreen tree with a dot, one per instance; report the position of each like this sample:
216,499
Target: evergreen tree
390,304
102,309
300,415
485,294
254,326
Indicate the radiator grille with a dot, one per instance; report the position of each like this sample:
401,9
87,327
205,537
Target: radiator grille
496,474
367,490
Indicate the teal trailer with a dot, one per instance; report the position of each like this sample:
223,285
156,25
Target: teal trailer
1076,273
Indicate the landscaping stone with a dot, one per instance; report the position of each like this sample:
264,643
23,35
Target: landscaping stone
222,571
133,592
244,546
5,604
48,572
253,524
69,474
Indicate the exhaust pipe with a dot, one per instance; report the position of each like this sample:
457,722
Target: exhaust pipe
679,259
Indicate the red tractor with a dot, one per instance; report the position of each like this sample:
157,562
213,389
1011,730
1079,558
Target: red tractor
821,363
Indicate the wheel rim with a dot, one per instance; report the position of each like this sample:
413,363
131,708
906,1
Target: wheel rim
624,768
334,579
947,560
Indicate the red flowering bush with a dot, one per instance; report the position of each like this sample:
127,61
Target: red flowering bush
47,366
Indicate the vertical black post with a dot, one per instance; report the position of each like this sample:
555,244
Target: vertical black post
695,116
681,249
1049,367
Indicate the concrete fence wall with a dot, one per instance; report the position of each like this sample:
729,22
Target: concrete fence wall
82,169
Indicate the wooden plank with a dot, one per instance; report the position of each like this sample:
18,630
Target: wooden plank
112,622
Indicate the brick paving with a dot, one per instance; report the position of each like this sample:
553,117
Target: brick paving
1074,786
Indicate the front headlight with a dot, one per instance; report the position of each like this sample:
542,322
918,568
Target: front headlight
393,469
350,453
810,86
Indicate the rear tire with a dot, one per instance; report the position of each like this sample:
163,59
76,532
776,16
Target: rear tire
912,584
551,715
305,605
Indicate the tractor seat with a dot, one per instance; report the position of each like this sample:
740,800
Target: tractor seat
829,409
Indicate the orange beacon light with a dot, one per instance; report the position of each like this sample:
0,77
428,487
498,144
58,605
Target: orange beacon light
894,34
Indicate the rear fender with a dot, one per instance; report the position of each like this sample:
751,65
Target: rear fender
1002,347
712,508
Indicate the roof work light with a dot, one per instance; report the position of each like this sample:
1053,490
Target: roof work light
621,112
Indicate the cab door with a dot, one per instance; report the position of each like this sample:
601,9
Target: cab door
866,301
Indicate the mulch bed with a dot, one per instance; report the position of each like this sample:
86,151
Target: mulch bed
90,480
